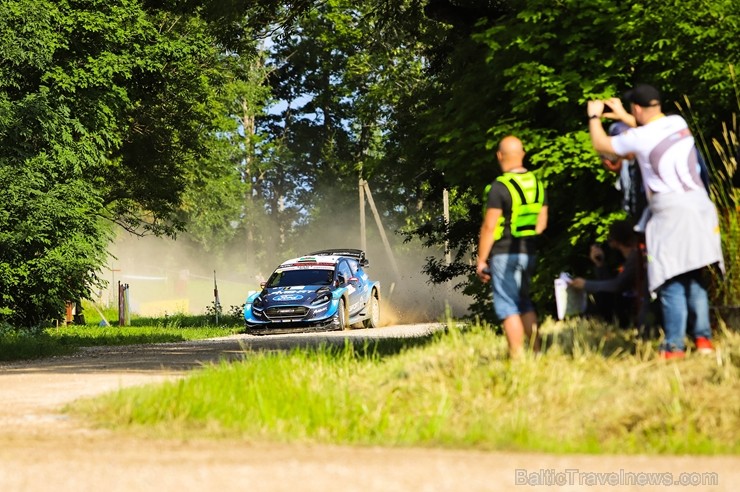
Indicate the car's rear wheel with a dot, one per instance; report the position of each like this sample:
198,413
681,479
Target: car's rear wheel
373,315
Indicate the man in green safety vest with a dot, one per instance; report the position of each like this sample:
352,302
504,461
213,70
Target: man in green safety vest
515,214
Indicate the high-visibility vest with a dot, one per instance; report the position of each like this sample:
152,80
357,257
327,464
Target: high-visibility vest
527,198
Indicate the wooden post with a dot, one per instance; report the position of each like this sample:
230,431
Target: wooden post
124,316
387,245
69,312
121,307
446,211
216,300
363,236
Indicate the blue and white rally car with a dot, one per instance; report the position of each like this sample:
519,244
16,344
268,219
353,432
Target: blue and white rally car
324,290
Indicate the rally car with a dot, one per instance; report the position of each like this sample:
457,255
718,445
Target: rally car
324,290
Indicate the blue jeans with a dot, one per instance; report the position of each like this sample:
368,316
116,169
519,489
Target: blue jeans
510,274
684,302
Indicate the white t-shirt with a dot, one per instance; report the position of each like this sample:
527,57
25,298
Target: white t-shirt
665,150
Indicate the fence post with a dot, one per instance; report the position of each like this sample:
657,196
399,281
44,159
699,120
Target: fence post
123,305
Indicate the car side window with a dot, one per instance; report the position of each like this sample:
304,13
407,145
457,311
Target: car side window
344,271
353,266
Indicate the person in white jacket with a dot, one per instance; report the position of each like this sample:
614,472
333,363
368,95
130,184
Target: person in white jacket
682,235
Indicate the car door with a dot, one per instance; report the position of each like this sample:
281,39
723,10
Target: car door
353,286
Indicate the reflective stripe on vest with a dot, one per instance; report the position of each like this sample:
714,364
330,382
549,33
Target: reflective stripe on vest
527,198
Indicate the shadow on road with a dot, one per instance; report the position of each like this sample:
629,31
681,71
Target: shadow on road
183,356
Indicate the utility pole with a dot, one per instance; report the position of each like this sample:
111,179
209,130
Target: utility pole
446,211
363,237
387,245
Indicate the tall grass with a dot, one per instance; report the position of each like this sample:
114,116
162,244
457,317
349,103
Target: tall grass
594,390
721,155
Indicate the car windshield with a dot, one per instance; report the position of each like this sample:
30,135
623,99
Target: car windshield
290,278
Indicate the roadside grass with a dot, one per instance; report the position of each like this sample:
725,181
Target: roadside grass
231,319
595,389
23,344
33,344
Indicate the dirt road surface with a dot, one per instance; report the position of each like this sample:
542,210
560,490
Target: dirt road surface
43,450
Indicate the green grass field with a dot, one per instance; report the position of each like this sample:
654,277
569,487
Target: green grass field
593,390
63,340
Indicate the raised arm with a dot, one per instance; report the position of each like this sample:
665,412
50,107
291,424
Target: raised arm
599,139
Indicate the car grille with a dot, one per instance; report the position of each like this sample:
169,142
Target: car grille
286,312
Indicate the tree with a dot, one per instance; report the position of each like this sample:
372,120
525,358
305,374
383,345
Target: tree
528,69
340,78
110,111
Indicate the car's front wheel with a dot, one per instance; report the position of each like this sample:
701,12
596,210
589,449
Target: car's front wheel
373,315
342,316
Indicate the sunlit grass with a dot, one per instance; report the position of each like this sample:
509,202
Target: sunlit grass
594,390
101,328
20,344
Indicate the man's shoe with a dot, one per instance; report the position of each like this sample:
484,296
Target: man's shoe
676,354
704,345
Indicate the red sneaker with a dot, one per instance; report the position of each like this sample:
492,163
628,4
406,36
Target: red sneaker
676,354
704,345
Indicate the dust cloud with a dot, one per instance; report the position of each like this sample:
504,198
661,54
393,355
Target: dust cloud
166,276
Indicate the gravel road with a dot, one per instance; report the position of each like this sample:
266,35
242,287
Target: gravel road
42,450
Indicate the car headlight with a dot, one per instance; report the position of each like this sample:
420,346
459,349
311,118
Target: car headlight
257,302
321,299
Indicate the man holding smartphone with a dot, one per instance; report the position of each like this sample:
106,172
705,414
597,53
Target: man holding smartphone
682,234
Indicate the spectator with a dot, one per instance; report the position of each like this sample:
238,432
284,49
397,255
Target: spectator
682,234
628,302
516,212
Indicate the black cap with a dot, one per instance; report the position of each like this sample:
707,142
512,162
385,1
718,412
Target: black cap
643,95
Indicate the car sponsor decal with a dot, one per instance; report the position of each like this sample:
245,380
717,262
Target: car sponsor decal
288,297
321,309
306,266
293,290
351,289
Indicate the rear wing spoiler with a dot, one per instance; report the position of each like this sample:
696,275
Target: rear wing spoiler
357,254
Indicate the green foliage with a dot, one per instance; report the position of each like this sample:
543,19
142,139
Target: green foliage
340,80
113,111
686,48
152,115
51,242
529,72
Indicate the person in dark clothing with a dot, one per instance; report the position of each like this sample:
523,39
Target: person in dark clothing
628,302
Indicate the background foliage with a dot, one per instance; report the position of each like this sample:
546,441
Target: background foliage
247,125
111,110
530,71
